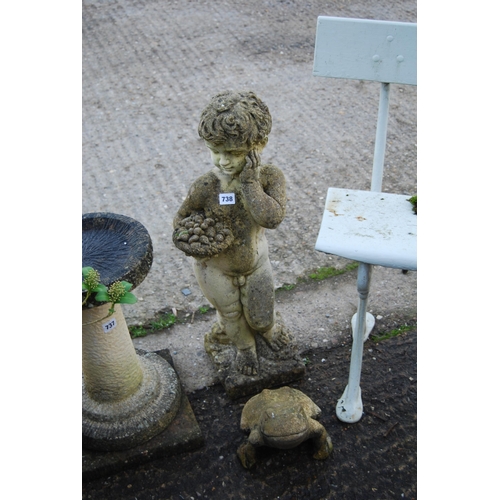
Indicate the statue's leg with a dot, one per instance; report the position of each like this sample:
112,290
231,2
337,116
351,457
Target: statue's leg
223,293
322,442
257,297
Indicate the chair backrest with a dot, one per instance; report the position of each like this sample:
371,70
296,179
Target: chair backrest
364,49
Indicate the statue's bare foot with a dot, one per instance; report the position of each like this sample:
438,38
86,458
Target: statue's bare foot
218,335
277,337
246,361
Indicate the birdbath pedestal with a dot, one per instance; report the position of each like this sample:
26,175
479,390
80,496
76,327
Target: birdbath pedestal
128,396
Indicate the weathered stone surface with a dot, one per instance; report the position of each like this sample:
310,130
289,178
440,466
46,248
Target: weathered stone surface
182,434
282,418
275,367
222,223
123,424
117,246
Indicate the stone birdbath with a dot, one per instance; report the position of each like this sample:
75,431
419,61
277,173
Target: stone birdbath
129,396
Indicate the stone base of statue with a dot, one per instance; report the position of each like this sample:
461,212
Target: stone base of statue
180,435
276,368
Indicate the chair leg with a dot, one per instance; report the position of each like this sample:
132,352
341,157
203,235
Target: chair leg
369,324
350,405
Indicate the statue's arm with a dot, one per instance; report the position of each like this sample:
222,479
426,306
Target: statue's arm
266,196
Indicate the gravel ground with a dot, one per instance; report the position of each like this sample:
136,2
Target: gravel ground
149,68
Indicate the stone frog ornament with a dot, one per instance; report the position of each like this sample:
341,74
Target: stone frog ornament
282,418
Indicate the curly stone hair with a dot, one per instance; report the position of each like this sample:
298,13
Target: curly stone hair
236,115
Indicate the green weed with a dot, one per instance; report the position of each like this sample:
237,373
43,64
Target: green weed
323,273
161,323
287,286
137,331
413,201
393,333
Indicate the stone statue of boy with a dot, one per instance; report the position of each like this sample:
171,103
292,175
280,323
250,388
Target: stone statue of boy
222,225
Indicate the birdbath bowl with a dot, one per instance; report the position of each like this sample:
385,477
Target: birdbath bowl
128,395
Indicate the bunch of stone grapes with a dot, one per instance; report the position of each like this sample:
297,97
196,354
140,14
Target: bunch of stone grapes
200,235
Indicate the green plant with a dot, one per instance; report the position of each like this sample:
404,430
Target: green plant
137,331
413,201
288,286
117,293
321,273
163,322
204,309
306,361
327,272
393,333
91,283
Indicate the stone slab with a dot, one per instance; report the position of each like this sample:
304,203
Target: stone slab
276,368
182,435
238,386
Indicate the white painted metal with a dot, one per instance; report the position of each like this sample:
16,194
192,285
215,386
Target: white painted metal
350,405
376,228
369,324
363,49
380,138
371,227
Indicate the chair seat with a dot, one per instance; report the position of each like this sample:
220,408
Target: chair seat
366,226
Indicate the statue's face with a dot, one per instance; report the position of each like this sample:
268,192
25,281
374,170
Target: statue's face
229,157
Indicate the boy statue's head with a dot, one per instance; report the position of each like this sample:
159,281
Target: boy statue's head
236,116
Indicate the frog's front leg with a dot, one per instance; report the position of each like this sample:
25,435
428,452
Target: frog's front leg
247,455
247,452
322,442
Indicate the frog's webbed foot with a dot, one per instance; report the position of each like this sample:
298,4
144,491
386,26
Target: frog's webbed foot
246,361
322,441
247,455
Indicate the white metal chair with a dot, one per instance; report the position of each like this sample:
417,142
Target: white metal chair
371,227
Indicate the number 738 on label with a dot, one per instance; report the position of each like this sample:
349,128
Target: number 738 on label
227,199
